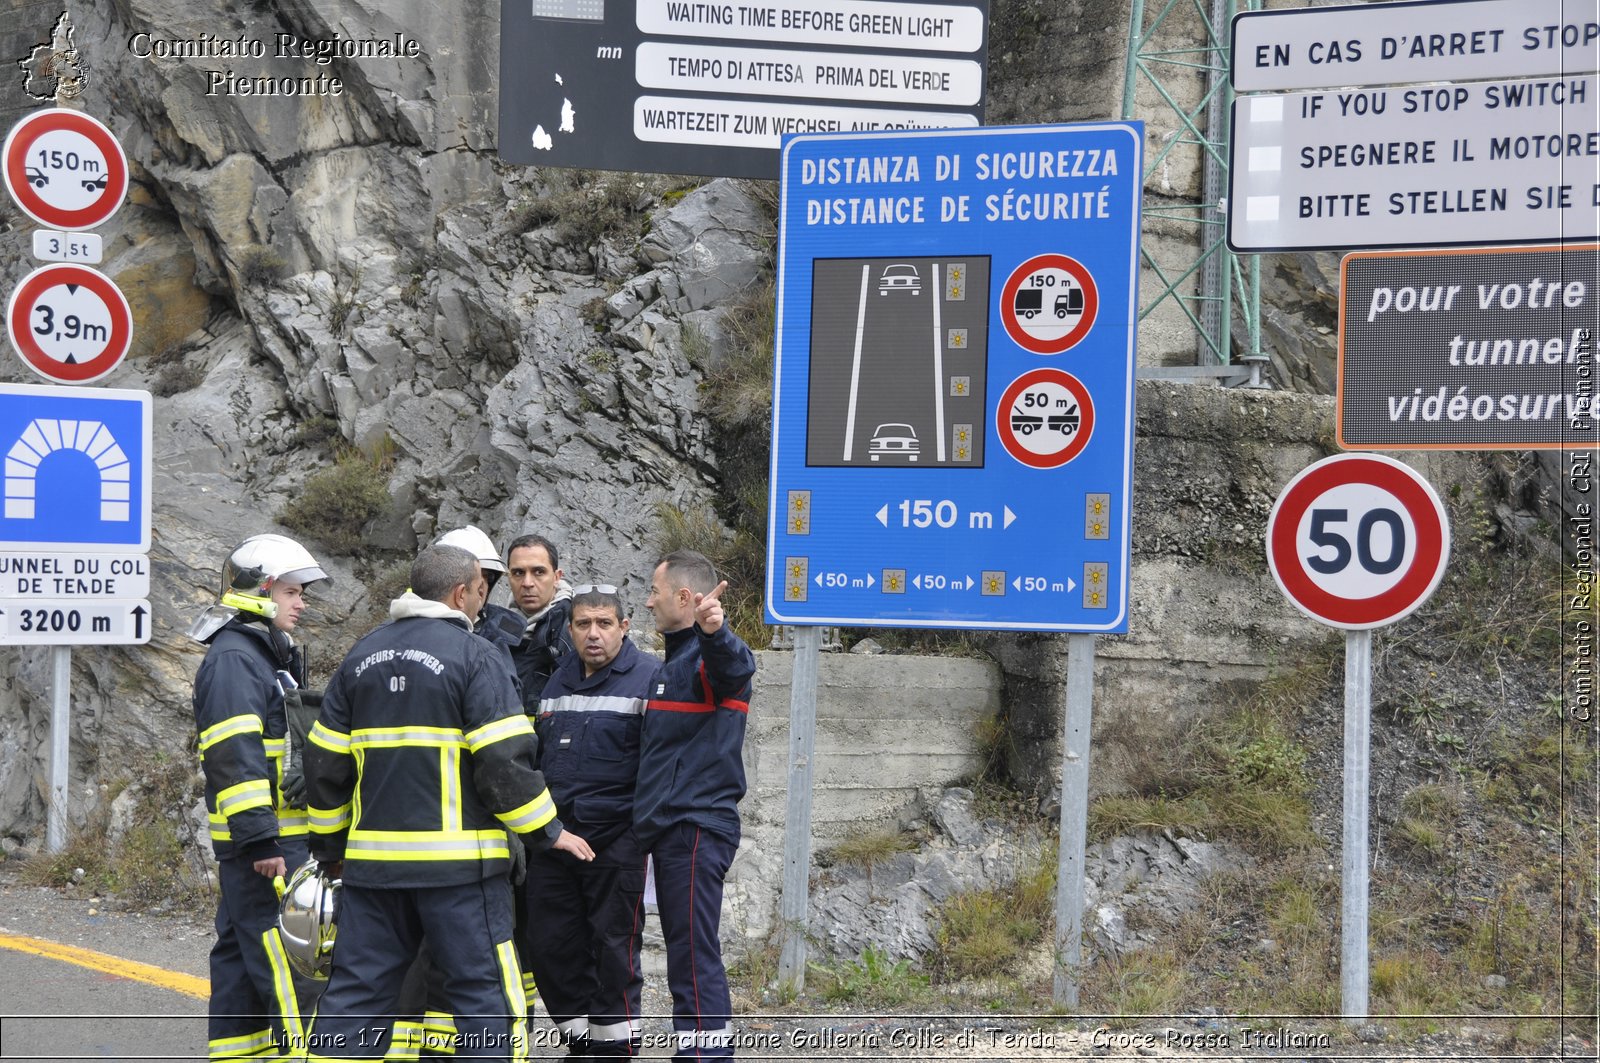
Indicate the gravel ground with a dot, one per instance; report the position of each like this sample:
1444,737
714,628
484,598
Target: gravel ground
179,941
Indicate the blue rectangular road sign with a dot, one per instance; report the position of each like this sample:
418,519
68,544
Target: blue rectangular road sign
952,432
77,468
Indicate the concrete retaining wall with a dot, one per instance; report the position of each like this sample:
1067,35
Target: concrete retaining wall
891,731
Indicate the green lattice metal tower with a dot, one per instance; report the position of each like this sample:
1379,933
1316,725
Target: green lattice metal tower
1172,46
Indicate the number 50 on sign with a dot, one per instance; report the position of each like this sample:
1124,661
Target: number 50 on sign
1358,541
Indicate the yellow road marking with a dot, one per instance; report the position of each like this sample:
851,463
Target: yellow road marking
187,984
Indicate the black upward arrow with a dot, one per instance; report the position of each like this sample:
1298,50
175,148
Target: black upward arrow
138,621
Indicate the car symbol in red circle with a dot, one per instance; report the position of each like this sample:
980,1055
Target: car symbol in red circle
1340,531
1049,304
70,324
1045,418
65,169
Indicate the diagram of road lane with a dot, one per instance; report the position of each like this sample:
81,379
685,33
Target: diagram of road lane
952,398
873,322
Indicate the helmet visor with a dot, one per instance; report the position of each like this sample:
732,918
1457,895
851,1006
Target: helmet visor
302,576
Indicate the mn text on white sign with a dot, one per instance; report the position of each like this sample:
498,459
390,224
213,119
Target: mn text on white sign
1459,350
1510,162
673,86
70,622
29,574
1392,44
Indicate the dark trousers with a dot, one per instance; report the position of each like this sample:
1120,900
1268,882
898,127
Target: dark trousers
256,998
690,865
468,928
582,942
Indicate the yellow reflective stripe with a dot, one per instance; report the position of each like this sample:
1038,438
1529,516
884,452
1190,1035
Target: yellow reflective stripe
531,816
293,819
246,795
327,821
219,827
499,730
426,845
405,1042
511,983
249,1044
439,1034
450,788
275,747
390,737
249,723
283,987
329,739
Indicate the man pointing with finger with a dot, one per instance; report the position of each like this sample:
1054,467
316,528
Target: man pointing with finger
691,777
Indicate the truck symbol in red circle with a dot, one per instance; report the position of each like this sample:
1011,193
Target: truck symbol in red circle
1049,304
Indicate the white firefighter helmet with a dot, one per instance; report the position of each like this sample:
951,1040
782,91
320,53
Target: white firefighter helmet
475,542
308,916
260,561
248,573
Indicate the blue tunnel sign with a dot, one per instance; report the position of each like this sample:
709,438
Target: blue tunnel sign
77,468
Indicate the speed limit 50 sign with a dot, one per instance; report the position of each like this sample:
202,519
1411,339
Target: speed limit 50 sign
1358,541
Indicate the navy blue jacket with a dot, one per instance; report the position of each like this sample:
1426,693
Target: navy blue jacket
589,741
238,711
691,762
545,643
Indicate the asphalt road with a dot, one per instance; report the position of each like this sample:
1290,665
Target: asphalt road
69,991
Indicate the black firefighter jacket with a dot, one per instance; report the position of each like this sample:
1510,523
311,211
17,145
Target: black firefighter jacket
422,757
238,710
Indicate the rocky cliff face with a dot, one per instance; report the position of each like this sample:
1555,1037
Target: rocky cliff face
357,278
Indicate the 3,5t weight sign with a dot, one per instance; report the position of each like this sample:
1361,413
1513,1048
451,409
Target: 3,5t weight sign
1358,541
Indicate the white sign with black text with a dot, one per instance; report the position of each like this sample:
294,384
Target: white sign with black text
35,574
70,622
1393,44
1420,166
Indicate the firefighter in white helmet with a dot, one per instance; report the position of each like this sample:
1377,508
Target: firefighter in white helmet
498,624
254,794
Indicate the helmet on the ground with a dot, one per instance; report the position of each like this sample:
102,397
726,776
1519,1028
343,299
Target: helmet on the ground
308,918
257,563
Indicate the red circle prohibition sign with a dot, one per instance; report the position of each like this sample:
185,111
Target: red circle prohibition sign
1008,427
19,144
26,298
1415,584
1008,304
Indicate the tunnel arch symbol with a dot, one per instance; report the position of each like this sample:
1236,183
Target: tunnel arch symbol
46,435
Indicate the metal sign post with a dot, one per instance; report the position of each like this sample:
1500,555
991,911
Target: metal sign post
1074,818
793,904
1357,541
1353,881
55,828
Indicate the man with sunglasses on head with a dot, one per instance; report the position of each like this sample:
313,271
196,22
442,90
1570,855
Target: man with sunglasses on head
584,942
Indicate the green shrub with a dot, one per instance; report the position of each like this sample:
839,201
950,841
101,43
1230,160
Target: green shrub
260,266
338,502
873,979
